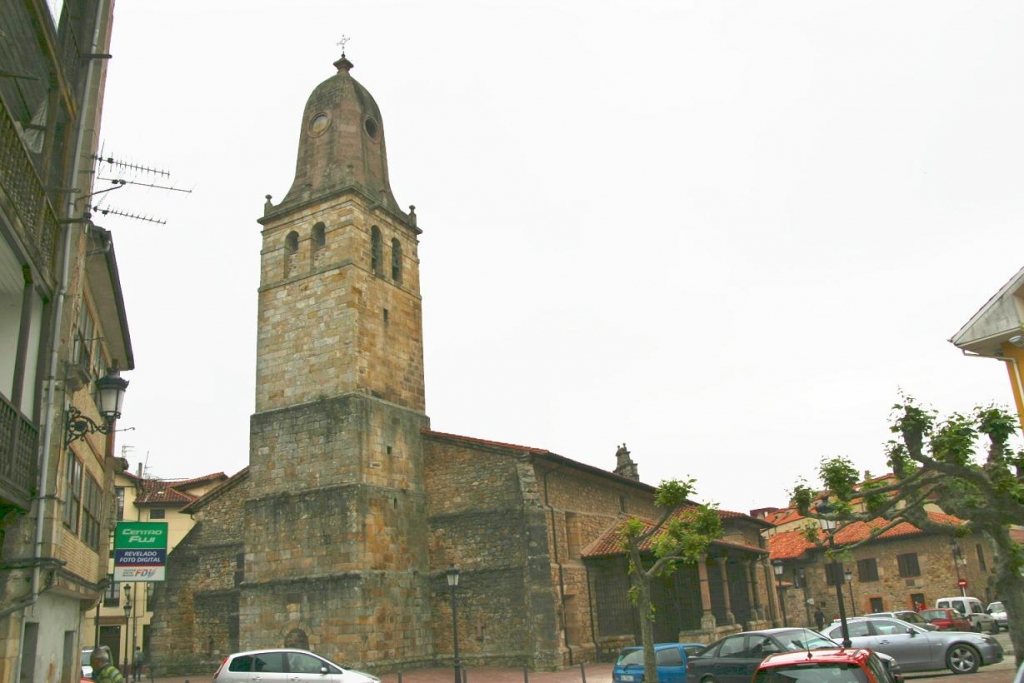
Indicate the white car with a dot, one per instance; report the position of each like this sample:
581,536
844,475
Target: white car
293,666
998,612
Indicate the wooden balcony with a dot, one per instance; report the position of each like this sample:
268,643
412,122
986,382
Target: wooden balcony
23,197
18,448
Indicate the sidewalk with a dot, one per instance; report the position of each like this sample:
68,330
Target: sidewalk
595,673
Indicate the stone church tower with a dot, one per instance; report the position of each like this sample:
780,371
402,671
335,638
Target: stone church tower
335,540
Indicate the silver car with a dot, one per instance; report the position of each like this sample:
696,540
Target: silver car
285,666
917,649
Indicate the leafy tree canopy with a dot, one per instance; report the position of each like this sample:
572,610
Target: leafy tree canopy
961,464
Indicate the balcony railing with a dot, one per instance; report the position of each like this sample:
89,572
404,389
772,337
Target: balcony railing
21,191
18,439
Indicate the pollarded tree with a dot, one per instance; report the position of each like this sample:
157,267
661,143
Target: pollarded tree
936,462
681,535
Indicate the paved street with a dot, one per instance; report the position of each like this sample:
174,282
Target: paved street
602,673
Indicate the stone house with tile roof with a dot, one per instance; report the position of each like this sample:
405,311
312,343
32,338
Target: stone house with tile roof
902,567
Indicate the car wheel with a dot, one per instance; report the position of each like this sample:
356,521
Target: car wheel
962,659
708,679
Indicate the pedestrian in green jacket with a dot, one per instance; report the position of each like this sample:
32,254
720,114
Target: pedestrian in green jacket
102,670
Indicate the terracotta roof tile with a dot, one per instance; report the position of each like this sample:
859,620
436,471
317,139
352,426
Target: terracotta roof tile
787,545
609,544
172,492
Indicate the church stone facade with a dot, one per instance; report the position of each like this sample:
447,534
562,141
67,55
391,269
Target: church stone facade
338,534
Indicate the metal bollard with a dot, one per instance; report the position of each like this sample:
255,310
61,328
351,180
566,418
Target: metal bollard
399,677
526,674
583,672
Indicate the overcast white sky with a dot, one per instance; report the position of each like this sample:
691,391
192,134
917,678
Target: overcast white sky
724,233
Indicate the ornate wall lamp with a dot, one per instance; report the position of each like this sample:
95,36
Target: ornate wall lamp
109,400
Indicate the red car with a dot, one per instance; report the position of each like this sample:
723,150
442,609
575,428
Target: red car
946,619
854,665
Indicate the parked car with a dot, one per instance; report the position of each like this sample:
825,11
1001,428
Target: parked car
671,659
998,612
735,658
855,665
946,619
917,649
295,666
909,616
86,663
973,610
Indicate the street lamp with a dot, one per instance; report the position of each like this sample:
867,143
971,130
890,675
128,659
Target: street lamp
453,582
778,568
829,526
849,582
109,401
127,613
958,561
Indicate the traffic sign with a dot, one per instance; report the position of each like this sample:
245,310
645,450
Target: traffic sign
962,583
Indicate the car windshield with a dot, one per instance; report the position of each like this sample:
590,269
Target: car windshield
933,614
804,639
630,657
996,607
832,672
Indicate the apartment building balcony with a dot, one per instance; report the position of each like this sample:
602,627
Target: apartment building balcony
18,445
24,200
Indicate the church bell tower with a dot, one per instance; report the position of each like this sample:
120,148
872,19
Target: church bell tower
335,521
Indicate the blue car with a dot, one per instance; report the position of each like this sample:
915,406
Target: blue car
671,659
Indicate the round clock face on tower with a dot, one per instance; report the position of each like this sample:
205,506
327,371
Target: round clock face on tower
318,124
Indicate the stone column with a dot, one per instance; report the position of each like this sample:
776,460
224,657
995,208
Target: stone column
753,594
730,618
707,618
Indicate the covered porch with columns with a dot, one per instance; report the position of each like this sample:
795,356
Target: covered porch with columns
730,590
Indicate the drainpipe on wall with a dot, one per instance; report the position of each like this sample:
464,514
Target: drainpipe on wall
561,575
43,458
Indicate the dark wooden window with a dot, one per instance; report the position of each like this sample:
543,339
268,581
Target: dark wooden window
112,595
908,564
877,605
157,513
834,573
92,507
867,570
981,558
73,493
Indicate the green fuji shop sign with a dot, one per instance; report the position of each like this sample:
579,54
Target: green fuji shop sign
140,551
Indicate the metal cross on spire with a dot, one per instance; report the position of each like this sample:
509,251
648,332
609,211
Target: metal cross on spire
344,39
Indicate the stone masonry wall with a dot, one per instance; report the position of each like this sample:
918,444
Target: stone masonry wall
336,533
484,518
938,577
329,324
195,611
